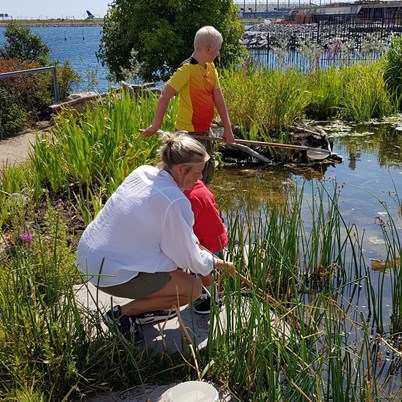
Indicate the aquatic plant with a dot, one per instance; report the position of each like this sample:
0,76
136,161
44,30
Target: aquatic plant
392,68
89,155
294,328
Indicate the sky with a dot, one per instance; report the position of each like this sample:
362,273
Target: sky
46,9
76,9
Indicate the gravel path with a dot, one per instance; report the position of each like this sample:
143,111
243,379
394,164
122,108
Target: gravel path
15,150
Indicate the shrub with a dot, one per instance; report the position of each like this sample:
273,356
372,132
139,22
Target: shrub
33,93
23,45
154,36
12,117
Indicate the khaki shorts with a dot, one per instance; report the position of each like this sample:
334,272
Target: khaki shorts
143,285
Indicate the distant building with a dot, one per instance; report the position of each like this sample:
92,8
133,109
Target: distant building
4,16
359,11
304,11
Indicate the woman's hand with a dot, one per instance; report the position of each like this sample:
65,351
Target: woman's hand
223,265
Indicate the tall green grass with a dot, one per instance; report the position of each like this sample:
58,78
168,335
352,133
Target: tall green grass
267,102
264,100
53,349
101,144
364,93
89,155
391,266
329,355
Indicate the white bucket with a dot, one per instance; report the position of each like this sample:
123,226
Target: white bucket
193,391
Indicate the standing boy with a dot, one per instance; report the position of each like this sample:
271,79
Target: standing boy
211,233
196,81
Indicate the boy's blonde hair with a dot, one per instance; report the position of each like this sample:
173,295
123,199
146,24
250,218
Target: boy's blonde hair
207,36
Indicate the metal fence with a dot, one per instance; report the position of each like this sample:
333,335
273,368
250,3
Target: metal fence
52,69
331,42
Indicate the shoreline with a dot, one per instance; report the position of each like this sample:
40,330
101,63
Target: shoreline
53,22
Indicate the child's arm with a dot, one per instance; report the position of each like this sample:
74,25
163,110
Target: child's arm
220,105
167,94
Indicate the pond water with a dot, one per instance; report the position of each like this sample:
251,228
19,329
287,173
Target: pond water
370,170
77,44
370,173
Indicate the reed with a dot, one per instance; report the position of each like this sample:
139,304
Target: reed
392,265
89,155
313,344
88,149
263,359
53,348
326,96
364,93
16,190
264,100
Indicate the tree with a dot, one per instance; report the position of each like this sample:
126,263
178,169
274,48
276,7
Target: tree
21,44
156,36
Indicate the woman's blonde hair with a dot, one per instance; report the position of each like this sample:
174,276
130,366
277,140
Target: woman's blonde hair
180,148
207,36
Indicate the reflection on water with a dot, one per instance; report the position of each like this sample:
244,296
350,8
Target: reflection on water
371,171
370,184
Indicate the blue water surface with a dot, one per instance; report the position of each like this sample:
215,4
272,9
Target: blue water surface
79,45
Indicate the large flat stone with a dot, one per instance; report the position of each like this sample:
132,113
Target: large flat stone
172,335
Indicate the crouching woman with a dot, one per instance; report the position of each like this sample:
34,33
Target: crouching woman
142,242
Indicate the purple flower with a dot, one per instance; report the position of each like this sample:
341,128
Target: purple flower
27,237
336,49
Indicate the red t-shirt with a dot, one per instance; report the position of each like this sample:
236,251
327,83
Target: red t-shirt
208,225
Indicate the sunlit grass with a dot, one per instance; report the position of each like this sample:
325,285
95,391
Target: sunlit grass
295,255
313,346
262,100
267,102
326,350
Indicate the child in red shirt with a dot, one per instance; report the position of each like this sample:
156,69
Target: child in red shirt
210,231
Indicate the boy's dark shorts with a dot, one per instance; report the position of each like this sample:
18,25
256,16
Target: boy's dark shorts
143,285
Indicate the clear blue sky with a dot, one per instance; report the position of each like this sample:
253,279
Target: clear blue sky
75,9
44,9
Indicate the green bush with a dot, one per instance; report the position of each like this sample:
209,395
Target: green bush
12,117
32,94
23,45
153,37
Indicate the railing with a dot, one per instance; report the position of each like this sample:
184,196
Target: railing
334,42
37,70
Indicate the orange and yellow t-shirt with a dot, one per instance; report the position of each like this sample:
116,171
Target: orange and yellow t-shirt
195,86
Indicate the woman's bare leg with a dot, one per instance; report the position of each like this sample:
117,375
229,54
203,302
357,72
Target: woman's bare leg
181,289
206,280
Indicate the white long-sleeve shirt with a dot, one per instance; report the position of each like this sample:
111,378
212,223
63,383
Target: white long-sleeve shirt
145,226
